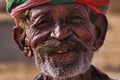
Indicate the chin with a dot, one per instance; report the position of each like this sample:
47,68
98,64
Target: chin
63,68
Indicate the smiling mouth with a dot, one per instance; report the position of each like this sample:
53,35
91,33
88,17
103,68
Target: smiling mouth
63,54
63,49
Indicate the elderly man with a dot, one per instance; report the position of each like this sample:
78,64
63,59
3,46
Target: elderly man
62,35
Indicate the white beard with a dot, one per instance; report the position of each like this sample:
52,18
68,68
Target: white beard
77,64
77,67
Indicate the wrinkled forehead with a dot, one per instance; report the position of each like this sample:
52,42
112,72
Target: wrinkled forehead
59,9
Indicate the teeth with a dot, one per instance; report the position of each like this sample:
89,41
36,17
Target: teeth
60,51
63,51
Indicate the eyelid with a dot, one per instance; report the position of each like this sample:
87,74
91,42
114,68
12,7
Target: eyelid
39,17
75,20
75,17
38,20
44,22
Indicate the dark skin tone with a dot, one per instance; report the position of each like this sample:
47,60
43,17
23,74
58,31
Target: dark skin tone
61,37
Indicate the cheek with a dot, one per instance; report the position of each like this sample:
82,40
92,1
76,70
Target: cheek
37,37
84,34
30,35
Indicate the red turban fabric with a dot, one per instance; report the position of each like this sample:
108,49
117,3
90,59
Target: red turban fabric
17,6
99,6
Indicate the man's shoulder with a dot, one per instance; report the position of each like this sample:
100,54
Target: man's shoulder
99,74
115,79
38,77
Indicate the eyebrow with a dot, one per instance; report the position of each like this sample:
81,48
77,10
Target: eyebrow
79,11
38,16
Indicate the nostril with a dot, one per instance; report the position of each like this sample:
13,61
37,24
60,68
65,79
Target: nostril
60,35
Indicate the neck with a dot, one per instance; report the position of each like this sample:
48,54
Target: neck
84,76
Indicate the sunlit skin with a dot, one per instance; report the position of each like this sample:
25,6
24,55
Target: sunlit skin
62,39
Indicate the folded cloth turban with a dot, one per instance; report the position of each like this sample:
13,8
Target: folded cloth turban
17,6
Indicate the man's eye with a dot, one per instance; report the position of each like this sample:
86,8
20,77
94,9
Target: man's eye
75,17
75,20
44,23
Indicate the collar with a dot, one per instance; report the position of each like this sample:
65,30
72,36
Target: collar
39,77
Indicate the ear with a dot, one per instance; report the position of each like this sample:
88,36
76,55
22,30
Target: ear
20,38
101,29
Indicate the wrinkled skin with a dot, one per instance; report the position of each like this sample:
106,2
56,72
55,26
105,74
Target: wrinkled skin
62,39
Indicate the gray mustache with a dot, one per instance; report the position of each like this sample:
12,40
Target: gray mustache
48,47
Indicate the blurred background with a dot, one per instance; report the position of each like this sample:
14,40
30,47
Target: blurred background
15,66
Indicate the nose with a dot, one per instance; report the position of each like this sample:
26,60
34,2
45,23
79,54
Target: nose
60,31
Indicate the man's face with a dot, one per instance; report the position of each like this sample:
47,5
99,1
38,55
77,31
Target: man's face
61,38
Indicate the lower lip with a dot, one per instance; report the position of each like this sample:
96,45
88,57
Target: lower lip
64,56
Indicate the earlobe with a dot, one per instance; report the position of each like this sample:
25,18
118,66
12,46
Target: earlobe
101,29
19,38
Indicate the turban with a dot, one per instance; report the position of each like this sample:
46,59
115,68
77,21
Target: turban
17,6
